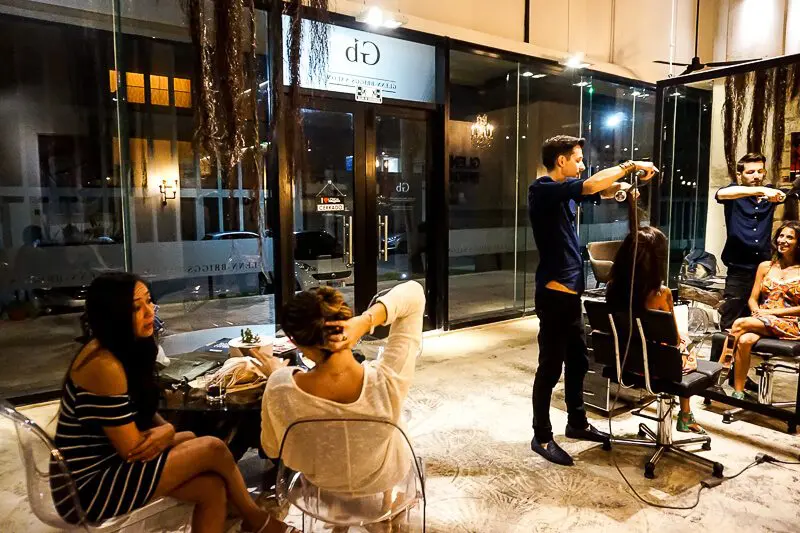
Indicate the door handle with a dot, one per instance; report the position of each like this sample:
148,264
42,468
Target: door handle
350,239
383,222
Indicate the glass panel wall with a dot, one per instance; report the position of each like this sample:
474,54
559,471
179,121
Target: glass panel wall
685,190
617,122
484,135
493,258
69,135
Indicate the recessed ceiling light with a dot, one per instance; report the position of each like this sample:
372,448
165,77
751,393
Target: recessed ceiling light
527,74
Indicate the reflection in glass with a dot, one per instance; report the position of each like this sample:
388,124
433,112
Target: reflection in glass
401,172
324,203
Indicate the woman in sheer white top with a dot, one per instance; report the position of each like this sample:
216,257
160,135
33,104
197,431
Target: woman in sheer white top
351,457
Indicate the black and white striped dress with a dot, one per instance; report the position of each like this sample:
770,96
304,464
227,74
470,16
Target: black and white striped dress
107,485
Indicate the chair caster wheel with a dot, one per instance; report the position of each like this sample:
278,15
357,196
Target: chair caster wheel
792,429
718,468
706,446
650,471
727,418
707,402
606,445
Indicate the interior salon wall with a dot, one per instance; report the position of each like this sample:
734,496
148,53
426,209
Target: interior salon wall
620,37
754,29
627,33
717,177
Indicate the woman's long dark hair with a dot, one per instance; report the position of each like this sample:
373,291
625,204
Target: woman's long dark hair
793,225
649,266
109,310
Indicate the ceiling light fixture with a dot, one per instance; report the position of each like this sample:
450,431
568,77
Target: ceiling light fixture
537,76
527,74
576,61
581,84
374,16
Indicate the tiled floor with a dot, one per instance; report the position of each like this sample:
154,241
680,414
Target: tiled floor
469,417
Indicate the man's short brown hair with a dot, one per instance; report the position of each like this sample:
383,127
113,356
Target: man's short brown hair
752,157
557,146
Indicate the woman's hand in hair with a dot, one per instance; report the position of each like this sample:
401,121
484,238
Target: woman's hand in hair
350,332
155,441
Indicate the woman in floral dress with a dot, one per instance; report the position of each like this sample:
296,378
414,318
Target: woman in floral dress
774,302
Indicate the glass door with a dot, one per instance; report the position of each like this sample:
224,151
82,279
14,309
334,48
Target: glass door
325,202
360,198
401,174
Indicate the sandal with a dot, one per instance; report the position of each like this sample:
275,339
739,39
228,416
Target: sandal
687,424
738,395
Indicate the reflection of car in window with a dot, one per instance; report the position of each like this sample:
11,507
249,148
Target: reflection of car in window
230,235
319,260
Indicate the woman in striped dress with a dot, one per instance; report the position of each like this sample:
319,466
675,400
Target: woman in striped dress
120,452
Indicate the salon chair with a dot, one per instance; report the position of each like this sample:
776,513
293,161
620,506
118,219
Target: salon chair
779,356
601,258
650,361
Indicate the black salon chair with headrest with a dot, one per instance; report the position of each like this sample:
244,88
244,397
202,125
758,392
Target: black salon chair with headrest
653,362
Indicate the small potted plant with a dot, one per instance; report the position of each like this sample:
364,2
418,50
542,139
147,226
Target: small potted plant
249,340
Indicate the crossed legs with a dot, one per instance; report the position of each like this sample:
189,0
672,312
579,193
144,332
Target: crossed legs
202,471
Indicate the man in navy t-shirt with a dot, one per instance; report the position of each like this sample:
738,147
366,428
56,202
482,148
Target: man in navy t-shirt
552,203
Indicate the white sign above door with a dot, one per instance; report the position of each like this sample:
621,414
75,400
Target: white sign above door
402,70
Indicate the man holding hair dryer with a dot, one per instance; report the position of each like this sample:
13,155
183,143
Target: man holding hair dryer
552,203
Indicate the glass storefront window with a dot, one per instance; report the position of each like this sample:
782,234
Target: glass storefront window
484,177
65,139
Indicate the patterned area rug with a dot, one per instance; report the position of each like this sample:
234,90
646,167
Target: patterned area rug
469,417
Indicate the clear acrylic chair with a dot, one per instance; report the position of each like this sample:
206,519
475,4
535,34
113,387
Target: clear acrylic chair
45,467
387,499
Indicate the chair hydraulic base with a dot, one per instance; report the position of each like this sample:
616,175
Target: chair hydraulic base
662,441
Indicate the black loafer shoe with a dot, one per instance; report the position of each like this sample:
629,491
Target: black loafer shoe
552,452
588,433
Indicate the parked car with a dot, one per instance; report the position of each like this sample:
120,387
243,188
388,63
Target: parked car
320,260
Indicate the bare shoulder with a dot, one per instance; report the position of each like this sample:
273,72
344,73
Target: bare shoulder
98,371
764,267
660,300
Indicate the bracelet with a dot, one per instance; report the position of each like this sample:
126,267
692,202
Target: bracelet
628,167
371,321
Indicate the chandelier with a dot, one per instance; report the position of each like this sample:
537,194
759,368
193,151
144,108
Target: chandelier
482,132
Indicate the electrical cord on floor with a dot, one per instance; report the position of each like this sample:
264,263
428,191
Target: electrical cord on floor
766,458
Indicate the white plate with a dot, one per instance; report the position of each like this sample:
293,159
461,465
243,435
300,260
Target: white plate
265,344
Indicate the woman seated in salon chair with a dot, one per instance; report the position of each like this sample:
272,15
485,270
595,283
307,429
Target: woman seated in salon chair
774,304
324,329
648,271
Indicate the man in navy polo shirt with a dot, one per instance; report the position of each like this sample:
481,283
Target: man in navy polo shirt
749,210
552,203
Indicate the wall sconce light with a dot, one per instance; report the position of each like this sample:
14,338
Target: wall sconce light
482,132
163,188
